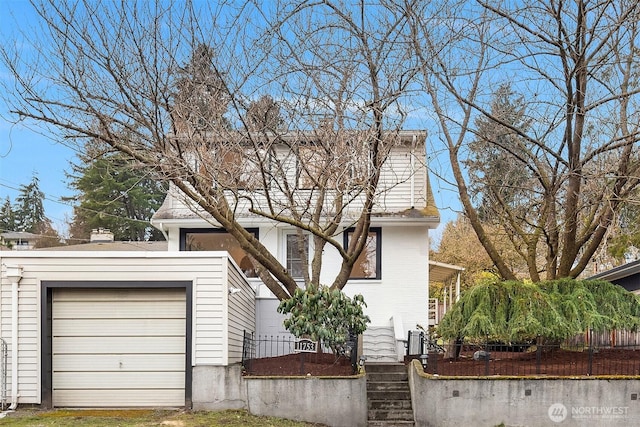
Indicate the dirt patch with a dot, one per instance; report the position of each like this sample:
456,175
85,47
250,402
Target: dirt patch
314,364
558,362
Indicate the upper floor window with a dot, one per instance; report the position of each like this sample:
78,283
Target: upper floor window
368,265
345,165
297,247
216,239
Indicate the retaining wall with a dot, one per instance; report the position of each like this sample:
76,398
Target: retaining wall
490,401
337,402
333,401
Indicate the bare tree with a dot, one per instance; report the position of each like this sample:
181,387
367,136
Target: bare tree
575,66
180,79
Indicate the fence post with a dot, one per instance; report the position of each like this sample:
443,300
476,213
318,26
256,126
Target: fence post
488,356
538,354
435,363
248,349
354,351
589,369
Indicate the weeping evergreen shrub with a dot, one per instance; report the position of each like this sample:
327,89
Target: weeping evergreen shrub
513,311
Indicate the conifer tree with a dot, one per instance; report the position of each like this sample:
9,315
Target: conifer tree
29,210
116,193
7,217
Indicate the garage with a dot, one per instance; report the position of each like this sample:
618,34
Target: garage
118,346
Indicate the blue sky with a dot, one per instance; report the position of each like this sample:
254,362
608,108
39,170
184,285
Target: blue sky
26,150
23,153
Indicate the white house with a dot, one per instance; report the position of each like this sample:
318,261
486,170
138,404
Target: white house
394,281
18,240
139,327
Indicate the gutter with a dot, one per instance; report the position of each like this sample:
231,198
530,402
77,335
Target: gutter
14,274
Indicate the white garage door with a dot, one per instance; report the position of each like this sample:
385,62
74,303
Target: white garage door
118,347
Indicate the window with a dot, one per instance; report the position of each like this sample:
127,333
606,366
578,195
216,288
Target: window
212,239
239,168
346,165
294,253
368,264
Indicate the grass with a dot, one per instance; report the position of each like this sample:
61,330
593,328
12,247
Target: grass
142,418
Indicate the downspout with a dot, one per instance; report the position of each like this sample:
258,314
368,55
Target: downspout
14,274
413,171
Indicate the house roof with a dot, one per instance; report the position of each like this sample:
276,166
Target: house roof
627,276
19,235
441,272
619,272
112,246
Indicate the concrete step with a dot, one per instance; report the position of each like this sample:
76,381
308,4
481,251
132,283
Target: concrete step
379,344
380,357
391,415
385,367
389,404
387,376
396,423
389,395
387,386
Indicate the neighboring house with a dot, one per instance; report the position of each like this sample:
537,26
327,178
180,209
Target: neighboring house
627,276
449,276
18,240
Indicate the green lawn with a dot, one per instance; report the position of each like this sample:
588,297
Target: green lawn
142,418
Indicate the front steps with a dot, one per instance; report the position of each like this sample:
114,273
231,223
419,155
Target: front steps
379,345
388,395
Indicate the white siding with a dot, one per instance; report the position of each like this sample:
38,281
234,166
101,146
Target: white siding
404,288
242,314
203,269
402,185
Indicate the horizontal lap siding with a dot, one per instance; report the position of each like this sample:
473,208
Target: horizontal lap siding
126,325
209,312
396,181
203,270
242,314
404,173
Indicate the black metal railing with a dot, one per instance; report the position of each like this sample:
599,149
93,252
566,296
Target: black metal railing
586,355
269,346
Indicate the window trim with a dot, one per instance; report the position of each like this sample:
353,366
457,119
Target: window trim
285,252
378,233
184,231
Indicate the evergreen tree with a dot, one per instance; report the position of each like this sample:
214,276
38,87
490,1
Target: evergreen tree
114,192
556,309
7,217
496,176
201,99
29,212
